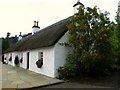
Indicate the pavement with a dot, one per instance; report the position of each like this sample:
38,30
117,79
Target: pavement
19,78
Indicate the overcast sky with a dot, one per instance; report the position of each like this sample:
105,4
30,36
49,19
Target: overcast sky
19,15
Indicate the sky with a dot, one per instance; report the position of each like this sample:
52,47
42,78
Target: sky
19,15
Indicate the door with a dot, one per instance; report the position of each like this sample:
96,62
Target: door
27,60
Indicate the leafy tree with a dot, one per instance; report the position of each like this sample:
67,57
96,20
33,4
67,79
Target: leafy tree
118,37
89,36
5,44
115,40
8,34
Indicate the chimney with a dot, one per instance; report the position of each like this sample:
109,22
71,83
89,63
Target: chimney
35,28
34,23
77,5
37,23
20,36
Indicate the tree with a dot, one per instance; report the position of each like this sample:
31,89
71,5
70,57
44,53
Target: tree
115,40
8,34
5,44
89,36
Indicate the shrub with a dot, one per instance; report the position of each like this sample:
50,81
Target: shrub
16,60
67,72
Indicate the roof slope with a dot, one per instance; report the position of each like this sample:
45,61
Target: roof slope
18,44
44,38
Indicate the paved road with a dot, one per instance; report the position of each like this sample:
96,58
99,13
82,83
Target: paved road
17,78
106,83
110,84
75,85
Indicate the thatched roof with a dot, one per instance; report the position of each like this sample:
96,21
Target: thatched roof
48,36
16,46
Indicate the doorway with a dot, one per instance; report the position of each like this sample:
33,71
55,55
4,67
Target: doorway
27,60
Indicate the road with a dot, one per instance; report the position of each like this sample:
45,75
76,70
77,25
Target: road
106,83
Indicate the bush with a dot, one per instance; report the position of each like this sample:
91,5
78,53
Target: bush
16,60
67,72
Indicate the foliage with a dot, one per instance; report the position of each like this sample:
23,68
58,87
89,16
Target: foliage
8,34
5,44
8,41
115,41
69,70
89,35
16,60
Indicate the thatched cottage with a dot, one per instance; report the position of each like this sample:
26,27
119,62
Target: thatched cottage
41,52
43,44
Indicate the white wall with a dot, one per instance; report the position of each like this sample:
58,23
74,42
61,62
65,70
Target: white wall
60,53
53,58
7,56
24,62
10,62
35,30
48,61
14,54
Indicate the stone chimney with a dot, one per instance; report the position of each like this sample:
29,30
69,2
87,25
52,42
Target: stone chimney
35,28
20,36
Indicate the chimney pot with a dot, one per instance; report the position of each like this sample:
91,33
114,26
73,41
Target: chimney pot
34,23
37,23
78,0
20,33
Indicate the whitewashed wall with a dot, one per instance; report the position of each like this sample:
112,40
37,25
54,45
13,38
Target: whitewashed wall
53,58
14,54
48,61
24,62
7,56
60,53
11,62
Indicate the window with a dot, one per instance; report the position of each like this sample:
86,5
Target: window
39,62
21,58
40,56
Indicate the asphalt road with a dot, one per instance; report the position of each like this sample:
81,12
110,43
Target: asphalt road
105,83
